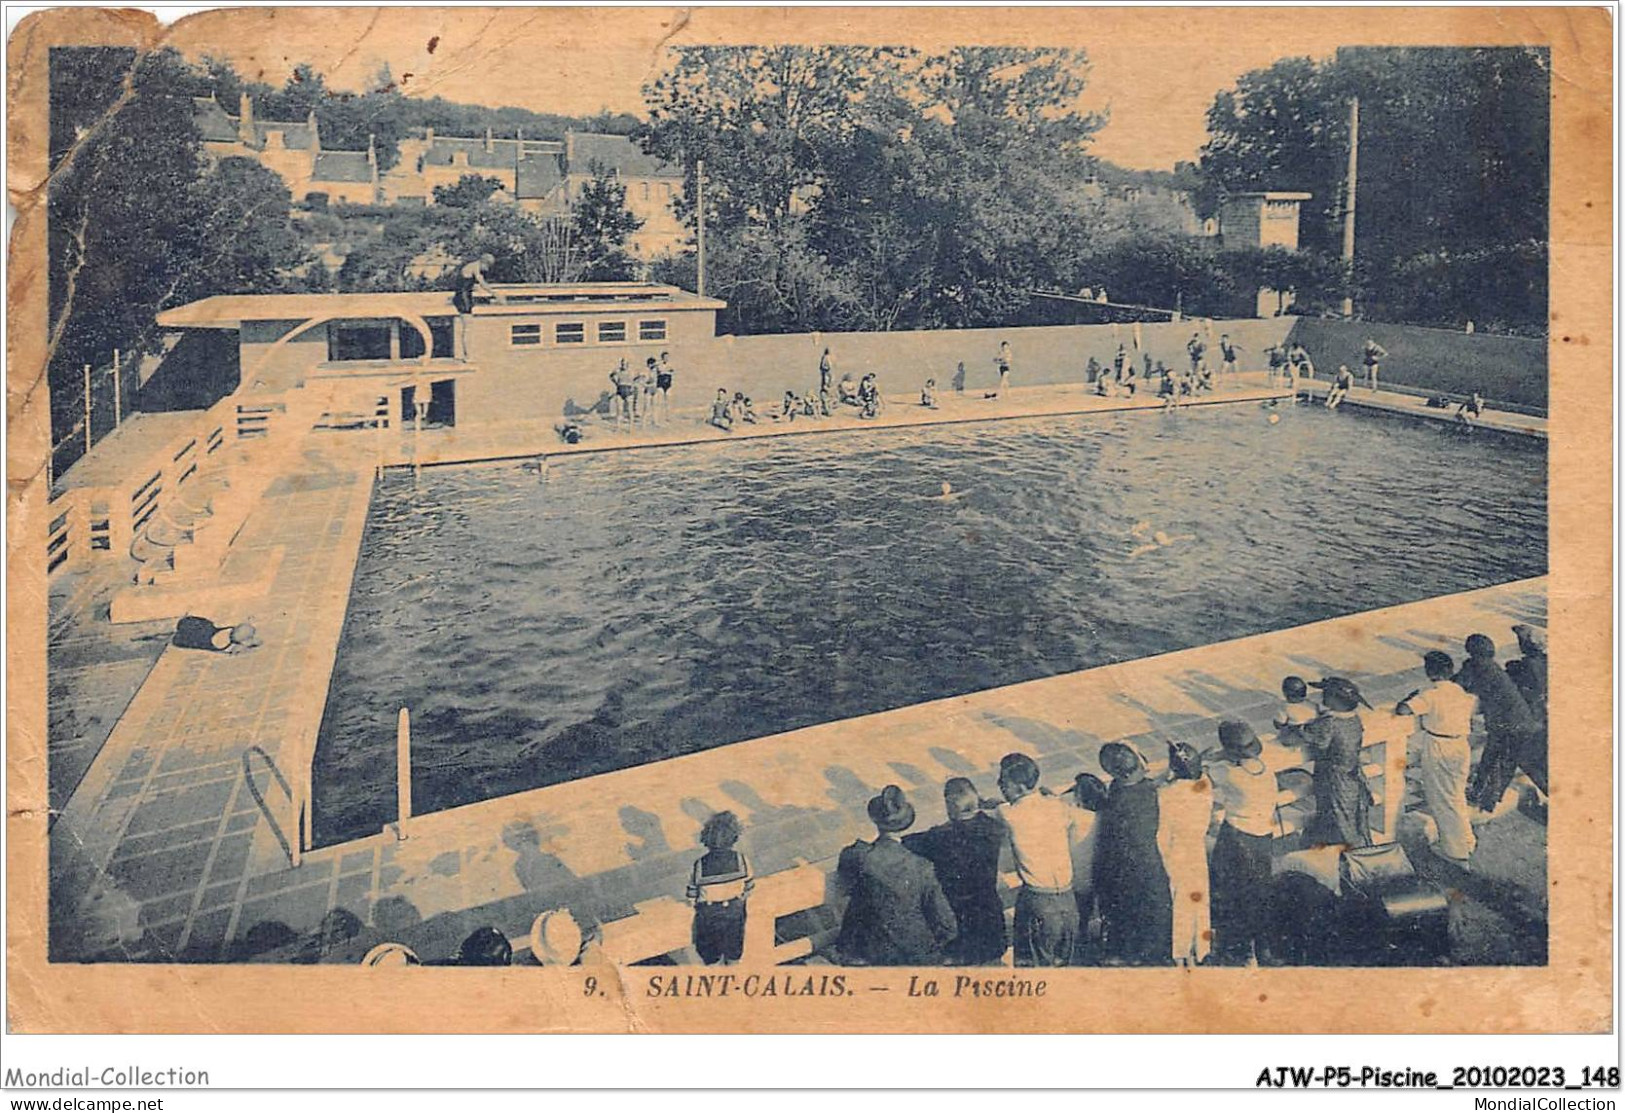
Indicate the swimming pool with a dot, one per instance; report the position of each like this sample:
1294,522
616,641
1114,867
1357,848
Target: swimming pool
629,606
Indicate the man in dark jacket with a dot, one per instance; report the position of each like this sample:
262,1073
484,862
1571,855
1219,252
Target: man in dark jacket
896,914
1508,722
965,853
1529,674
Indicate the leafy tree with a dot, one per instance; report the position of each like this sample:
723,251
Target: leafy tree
469,190
907,190
1454,168
602,225
138,221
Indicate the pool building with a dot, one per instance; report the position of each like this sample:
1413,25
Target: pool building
377,356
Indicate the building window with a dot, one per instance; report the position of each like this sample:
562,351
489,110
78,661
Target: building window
612,332
645,191
357,342
569,332
440,331
651,330
524,336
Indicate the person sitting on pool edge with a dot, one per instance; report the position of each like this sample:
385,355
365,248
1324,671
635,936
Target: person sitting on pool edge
789,408
1468,413
846,391
194,632
928,394
1342,383
722,413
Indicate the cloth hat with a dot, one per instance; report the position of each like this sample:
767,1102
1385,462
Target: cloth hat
1530,638
555,938
391,954
1341,693
1239,739
891,811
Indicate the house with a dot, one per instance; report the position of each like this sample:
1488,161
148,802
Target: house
543,352
546,177
292,149
1267,219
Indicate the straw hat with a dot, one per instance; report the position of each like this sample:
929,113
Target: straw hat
555,938
391,954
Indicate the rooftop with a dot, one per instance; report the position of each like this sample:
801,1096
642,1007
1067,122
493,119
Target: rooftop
228,311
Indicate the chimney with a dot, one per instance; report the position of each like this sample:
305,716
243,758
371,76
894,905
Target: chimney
245,120
315,132
372,155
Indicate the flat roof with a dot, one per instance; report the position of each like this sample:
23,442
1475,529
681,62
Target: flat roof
229,311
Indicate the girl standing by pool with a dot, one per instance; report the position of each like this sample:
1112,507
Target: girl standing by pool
718,887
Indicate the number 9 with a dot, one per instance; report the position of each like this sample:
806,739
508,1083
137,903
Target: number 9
590,986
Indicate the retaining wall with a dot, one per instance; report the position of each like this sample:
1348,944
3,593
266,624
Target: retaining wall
1509,370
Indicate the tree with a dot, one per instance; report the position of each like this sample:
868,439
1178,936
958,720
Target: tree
907,190
1453,167
602,225
469,190
139,222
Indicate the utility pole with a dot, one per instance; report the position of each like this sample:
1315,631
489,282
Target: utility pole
1349,189
699,202
118,394
87,409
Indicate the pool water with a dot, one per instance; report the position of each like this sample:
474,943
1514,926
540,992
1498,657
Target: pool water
625,607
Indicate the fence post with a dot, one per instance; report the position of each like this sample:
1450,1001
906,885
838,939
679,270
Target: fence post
403,770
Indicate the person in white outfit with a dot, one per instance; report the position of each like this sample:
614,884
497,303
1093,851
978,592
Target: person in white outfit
1444,713
1186,812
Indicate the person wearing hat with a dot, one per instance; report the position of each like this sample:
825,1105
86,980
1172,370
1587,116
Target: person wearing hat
556,939
193,632
718,887
1529,674
1245,789
1342,797
1042,830
1512,728
896,912
1131,883
1444,716
1185,812
965,853
1529,671
484,946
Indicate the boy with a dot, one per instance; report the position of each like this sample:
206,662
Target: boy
1342,383
1041,829
1227,356
965,852
1295,714
928,394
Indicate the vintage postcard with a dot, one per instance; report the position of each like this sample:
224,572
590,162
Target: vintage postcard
810,520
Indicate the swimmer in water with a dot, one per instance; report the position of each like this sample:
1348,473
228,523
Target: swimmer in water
948,493
1152,540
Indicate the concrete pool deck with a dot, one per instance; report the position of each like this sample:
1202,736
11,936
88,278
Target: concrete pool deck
688,426
175,844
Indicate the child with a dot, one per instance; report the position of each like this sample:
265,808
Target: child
790,407
1295,714
819,408
747,410
722,413
928,394
718,887
1277,360
1342,383
1091,370
1168,391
